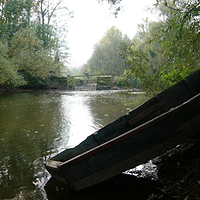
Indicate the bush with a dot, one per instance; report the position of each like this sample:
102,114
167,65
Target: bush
124,82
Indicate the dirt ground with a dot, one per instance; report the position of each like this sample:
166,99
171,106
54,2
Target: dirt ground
178,174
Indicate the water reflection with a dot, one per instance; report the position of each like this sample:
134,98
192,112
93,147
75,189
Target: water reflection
77,119
36,125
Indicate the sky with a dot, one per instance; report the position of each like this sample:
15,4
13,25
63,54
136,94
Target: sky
91,21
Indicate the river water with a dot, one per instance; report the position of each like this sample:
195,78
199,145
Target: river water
37,125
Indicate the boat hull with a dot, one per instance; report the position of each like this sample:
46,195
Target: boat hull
131,148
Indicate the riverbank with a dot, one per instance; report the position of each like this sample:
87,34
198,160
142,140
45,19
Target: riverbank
79,88
178,174
70,83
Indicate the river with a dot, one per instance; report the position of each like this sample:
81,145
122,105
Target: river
37,125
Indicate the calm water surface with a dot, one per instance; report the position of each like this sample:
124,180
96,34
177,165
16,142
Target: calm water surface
37,125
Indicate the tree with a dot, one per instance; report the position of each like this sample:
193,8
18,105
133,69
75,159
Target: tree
47,29
106,58
165,52
14,15
144,58
33,62
32,51
8,74
179,36
115,5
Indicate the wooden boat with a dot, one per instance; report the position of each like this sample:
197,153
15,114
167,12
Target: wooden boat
149,130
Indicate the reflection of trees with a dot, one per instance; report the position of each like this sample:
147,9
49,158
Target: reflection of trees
28,129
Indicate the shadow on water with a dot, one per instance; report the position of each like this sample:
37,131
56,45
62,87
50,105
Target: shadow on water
119,187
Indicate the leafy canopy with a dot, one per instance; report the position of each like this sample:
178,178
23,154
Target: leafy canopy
106,56
30,50
165,52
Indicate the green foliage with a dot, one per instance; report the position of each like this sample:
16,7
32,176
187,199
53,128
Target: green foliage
47,34
14,15
32,61
182,39
8,74
115,5
30,51
106,58
70,81
176,76
144,58
79,82
104,81
47,13
165,52
125,83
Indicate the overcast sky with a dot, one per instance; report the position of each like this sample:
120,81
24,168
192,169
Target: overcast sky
91,21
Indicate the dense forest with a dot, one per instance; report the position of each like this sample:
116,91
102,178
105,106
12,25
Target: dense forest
161,53
30,51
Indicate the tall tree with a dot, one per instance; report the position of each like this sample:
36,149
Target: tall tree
8,73
32,50
45,30
165,52
47,14
144,58
14,15
106,56
179,36
33,62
